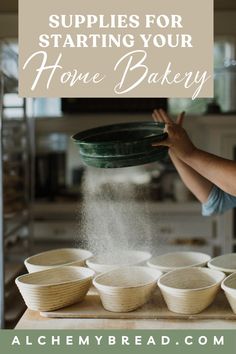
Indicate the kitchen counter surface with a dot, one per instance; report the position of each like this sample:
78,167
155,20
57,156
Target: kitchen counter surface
33,320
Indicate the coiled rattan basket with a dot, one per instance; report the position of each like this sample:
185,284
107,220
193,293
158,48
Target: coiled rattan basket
190,290
229,287
57,258
52,289
176,260
106,263
127,288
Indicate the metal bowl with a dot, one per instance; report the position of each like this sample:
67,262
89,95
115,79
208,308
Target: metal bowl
121,145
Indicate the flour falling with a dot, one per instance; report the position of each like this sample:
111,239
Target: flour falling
116,214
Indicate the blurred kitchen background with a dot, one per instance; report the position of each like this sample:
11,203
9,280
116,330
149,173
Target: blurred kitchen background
42,176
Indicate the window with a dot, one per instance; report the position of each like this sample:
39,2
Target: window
224,50
47,107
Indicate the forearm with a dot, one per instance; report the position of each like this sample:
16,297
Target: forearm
196,183
219,171
209,169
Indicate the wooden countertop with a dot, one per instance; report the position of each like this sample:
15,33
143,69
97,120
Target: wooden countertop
33,320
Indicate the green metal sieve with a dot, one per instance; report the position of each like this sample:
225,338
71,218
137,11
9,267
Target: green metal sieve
121,145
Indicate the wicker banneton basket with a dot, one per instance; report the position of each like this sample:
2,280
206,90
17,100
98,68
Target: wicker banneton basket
229,287
190,290
55,288
176,260
127,288
57,258
105,263
225,263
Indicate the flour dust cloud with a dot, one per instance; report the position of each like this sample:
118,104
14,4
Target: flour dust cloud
115,212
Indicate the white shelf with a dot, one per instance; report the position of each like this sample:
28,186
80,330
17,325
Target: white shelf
68,209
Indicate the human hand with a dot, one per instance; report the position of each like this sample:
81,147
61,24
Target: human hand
178,140
162,117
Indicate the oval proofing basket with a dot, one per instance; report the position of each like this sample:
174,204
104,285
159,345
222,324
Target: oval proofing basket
190,290
225,263
57,258
53,289
103,264
177,260
127,288
229,287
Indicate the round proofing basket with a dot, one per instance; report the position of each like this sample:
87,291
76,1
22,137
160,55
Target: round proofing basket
177,260
121,145
225,263
127,288
190,290
229,287
55,288
57,258
103,263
